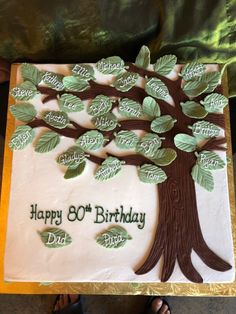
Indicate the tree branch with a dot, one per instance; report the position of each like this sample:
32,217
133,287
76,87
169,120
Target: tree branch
214,144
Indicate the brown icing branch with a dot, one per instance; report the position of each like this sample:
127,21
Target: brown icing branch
214,144
131,160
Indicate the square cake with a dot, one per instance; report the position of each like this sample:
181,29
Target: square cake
119,173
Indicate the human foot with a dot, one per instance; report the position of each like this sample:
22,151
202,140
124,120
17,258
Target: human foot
67,303
158,306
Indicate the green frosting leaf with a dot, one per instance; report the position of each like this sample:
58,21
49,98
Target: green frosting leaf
210,161
106,122
193,110
70,103
203,177
29,72
165,64
164,156
214,102
53,80
24,91
113,238
151,174
83,71
22,136
75,84
129,108
109,168
125,81
111,65
72,158
185,142
194,88
55,238
126,140
205,129
91,140
192,70
162,124
24,112
212,79
156,88
74,172
143,58
100,105
148,145
151,108
47,142
57,119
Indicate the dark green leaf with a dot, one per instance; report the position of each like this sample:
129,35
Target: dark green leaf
210,160
151,174
109,168
193,110
164,156
156,88
30,73
148,145
91,140
22,136
126,140
72,158
55,238
107,122
47,142
129,108
143,58
114,237
215,102
162,124
74,172
24,112
70,103
24,91
203,177
192,70
165,64
205,129
83,71
194,88
111,65
212,79
75,84
53,80
57,119
185,142
100,105
151,108
125,81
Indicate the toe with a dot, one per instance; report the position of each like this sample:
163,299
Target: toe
74,298
156,304
163,309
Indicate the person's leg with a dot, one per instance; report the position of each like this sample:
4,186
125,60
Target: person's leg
158,306
68,304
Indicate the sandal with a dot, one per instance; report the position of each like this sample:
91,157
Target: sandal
149,310
71,308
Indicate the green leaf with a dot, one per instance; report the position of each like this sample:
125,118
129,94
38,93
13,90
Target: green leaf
193,110
212,79
203,177
162,124
210,160
185,142
57,119
47,142
113,238
22,136
192,70
100,105
83,71
30,73
164,156
148,145
125,81
156,88
55,238
143,58
24,112
107,122
129,108
151,174
74,172
204,129
91,140
75,84
72,158
53,80
111,65
70,103
109,168
214,102
194,88
24,91
126,140
165,64
151,108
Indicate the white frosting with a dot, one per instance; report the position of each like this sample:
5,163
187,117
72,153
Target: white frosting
37,178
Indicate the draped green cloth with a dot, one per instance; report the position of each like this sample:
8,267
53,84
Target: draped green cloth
86,30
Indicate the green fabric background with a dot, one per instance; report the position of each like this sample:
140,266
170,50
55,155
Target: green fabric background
86,30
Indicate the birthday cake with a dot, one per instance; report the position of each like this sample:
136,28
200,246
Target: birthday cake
119,173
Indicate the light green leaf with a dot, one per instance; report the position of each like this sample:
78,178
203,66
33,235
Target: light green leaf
151,107
72,158
113,238
24,91
83,71
74,172
57,119
53,80
107,122
165,64
156,88
100,105
185,142
148,145
47,142
75,84
214,102
193,110
126,140
91,140
22,136
203,177
111,65
151,174
109,168
129,108
55,238
125,81
164,156
143,58
30,73
212,79
210,160
162,124
24,112
70,103
194,88
192,70
205,129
